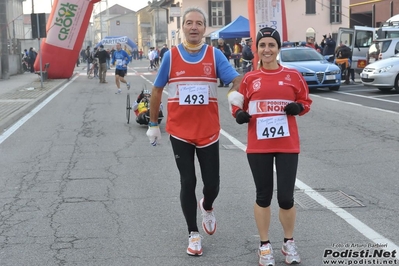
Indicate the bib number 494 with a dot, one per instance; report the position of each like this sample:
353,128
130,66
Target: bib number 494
271,132
272,127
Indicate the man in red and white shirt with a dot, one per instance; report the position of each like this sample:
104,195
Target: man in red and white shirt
191,70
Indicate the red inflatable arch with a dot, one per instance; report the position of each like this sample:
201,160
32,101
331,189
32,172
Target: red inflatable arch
66,29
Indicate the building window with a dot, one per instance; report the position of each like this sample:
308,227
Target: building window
335,9
310,6
217,13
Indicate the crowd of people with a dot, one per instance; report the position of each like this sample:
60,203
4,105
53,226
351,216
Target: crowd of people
28,59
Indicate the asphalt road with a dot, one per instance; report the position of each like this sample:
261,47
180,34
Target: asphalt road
80,186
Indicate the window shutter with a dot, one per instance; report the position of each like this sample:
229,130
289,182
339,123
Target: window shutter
209,13
227,12
331,12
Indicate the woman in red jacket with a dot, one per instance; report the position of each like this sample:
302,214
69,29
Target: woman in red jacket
268,100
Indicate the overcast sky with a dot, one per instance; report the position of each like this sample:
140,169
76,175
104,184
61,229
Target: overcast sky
44,6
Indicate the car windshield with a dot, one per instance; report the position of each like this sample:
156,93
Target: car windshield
295,55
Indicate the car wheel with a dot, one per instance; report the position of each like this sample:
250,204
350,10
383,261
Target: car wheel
334,88
385,89
397,83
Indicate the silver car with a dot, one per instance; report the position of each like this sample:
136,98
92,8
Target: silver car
382,74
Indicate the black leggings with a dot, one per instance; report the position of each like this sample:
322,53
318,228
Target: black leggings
262,170
208,159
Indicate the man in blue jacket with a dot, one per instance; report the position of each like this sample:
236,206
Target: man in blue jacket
328,45
120,59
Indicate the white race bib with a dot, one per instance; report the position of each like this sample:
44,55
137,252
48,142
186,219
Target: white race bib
193,94
119,62
272,127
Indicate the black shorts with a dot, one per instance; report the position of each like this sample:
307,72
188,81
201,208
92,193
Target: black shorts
120,72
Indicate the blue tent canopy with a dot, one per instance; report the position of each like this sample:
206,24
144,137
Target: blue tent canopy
118,39
238,28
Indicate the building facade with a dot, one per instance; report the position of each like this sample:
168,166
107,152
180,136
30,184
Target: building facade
372,13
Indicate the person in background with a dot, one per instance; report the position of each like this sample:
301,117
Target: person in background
343,58
32,57
156,55
141,54
247,56
310,43
102,56
120,59
108,58
191,70
225,49
163,51
237,50
328,45
151,57
88,58
141,107
269,99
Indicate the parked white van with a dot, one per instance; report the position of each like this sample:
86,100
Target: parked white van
359,39
382,48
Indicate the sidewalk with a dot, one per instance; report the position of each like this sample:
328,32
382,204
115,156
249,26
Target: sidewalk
21,93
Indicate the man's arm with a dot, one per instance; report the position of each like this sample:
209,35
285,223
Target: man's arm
236,84
156,97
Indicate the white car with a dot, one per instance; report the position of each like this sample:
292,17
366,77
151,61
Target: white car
382,74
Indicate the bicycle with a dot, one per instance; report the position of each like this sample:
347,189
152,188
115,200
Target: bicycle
142,117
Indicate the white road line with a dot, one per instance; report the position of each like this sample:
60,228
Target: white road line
367,97
361,227
357,104
22,121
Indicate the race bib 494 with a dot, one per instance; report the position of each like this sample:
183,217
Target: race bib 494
272,127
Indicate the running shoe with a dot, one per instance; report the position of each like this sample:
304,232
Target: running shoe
265,254
208,219
290,252
119,91
128,85
194,244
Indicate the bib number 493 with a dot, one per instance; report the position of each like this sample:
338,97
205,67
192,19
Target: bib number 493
272,127
193,94
195,99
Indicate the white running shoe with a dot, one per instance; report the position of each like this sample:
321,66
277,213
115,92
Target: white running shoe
194,244
128,85
208,219
290,251
265,254
119,91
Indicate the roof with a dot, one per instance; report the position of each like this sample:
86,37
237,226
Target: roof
238,28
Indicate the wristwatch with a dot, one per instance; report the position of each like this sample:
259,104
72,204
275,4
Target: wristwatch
153,124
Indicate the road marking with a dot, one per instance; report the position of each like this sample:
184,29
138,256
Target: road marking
367,97
357,104
22,121
361,227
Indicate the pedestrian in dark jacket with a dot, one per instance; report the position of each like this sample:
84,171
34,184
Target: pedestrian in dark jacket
247,56
328,45
102,56
222,46
163,51
32,57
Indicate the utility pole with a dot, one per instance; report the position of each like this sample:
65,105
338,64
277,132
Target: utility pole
5,68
